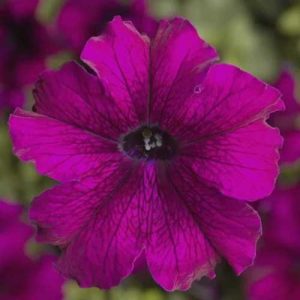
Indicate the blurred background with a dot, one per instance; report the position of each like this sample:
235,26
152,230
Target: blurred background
262,37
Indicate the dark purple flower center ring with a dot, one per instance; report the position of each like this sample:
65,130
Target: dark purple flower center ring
149,143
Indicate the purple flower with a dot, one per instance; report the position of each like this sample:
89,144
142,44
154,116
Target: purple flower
287,120
25,44
276,273
276,276
283,223
21,277
148,153
81,19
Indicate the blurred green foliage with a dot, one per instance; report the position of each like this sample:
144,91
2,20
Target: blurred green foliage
73,292
18,181
258,35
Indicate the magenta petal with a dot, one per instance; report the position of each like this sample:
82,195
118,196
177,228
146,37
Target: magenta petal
286,120
274,286
232,228
192,227
179,251
242,163
27,71
141,18
13,234
290,152
98,224
45,282
283,225
75,97
86,14
21,8
11,98
227,99
61,151
275,275
54,213
12,241
225,130
25,45
21,277
179,59
92,17
123,66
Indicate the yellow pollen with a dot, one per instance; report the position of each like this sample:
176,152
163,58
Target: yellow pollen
147,133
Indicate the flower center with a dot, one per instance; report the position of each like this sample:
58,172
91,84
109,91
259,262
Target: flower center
149,143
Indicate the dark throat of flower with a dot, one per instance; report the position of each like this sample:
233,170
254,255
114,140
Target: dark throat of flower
149,143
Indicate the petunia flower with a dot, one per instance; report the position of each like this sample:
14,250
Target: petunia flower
287,121
149,153
25,45
276,276
276,273
22,278
78,20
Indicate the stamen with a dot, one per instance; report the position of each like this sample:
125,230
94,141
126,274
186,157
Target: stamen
149,143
